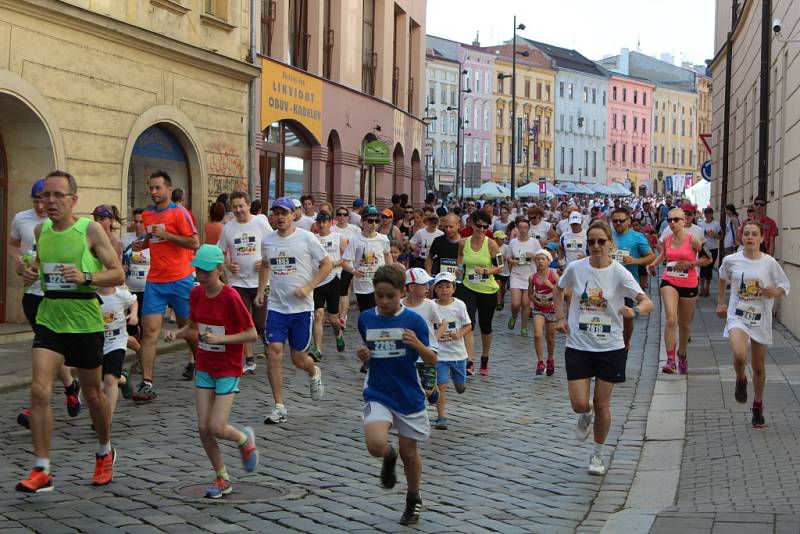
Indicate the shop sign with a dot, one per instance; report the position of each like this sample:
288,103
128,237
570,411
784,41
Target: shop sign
290,94
376,152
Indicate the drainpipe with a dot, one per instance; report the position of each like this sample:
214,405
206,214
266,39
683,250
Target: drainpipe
726,128
763,123
252,169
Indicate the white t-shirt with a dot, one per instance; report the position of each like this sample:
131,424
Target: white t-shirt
355,218
127,238
332,243
423,238
595,324
115,331
498,225
562,226
694,230
137,268
455,316
519,250
574,245
366,254
22,228
540,231
306,221
293,261
504,253
262,216
349,232
711,242
243,242
747,309
429,311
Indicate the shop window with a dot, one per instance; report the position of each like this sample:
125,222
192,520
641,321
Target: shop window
286,164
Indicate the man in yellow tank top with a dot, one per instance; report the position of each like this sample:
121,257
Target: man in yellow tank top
72,253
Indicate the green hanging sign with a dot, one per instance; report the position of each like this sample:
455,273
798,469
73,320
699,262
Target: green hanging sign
376,152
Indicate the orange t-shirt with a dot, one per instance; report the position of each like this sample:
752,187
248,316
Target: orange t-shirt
168,261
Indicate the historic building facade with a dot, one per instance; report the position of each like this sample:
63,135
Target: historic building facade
442,112
675,148
630,105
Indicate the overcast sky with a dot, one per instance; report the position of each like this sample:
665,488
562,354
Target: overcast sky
595,28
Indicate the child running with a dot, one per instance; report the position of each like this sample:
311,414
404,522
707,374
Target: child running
417,283
115,342
540,291
452,356
222,324
394,338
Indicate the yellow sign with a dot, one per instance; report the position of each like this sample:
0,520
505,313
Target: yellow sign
290,94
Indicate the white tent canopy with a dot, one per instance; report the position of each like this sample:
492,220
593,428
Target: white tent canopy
531,189
488,190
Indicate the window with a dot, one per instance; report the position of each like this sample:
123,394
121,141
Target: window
561,164
613,121
586,94
655,155
674,126
636,124
453,123
594,95
633,153
683,157
538,90
453,157
486,125
444,123
286,162
561,122
499,119
431,95
683,127
547,125
268,15
467,152
691,158
673,156
498,154
547,92
467,116
594,163
614,152
443,157
604,98
527,88
468,80
500,85
624,122
478,85
369,58
644,152
662,153
569,91
444,94
624,146
570,123
635,96
644,125
691,129
572,161
546,158
624,96
561,89
476,125
526,121
476,148
486,154
644,98
298,31
614,93
586,163
683,110
217,9
663,124
452,98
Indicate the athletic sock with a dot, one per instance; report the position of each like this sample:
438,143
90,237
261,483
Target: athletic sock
413,496
44,463
148,382
242,440
222,473
103,449
597,449
671,353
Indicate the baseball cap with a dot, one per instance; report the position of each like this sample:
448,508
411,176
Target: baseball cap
37,188
552,246
691,208
371,210
575,218
208,257
499,235
323,216
545,253
445,276
416,275
357,203
296,203
386,212
103,210
282,203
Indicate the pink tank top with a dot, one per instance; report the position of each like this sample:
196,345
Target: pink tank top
543,292
684,252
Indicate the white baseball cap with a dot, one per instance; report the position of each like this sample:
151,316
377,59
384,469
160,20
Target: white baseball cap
445,276
575,218
416,275
545,253
296,203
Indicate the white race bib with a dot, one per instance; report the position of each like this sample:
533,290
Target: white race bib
114,327
672,271
619,255
448,265
54,277
283,265
750,313
595,323
218,330
386,342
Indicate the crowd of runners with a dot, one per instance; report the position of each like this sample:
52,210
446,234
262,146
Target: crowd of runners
424,279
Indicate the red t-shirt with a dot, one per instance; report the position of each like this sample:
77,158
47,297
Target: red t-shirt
469,230
168,261
227,314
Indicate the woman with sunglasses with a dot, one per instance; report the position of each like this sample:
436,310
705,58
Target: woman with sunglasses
541,230
349,231
594,346
387,226
406,226
478,256
678,288
520,254
756,280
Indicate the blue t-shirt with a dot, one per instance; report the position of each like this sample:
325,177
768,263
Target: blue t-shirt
392,379
635,245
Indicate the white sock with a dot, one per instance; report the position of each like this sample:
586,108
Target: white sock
597,449
103,449
281,406
44,463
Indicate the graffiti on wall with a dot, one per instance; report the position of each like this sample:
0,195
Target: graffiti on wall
226,170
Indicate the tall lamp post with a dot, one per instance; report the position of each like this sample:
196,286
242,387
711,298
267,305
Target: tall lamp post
461,74
428,120
514,101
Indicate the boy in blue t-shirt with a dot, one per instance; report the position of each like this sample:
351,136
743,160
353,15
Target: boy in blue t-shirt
394,338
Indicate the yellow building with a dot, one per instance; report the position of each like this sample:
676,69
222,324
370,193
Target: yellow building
535,100
110,90
674,134
704,88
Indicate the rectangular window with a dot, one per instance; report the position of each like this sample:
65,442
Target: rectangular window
268,15
570,123
546,158
635,97
586,94
217,9
624,96
452,98
561,89
662,153
298,30
644,98
569,91
663,124
453,124
594,95
547,125
499,118
604,98
613,121
614,152
478,86
636,124
527,88
538,90
498,156
683,127
547,92
624,146
486,154
431,95
486,122
683,157
624,122
561,164
586,163
594,163
691,129
500,85
444,94
673,156
561,122
674,126
614,93
644,125
369,58
572,161
644,152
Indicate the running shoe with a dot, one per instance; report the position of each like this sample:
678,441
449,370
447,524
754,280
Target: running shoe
512,322
470,368
104,468
24,418
669,367
596,465
388,475
433,396
484,366
343,322
340,343
37,482
188,371
277,415
440,423
758,418
219,488
740,393
411,514
73,400
551,367
683,365
364,367
540,368
498,307
315,354
249,451
145,393
249,366
127,388
583,426
315,385
523,332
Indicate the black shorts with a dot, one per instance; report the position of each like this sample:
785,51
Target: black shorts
327,296
607,366
135,329
365,301
345,280
501,278
84,351
683,292
482,304
707,272
30,306
257,313
112,362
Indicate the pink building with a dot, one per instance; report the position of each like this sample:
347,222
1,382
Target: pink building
630,108
478,106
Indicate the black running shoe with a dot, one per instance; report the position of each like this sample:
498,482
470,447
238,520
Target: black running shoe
740,394
364,367
188,371
388,476
758,418
413,509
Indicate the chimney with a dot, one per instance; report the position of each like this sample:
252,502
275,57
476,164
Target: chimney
477,41
624,61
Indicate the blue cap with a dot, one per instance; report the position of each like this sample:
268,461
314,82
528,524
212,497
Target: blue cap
282,203
357,203
552,246
37,188
371,210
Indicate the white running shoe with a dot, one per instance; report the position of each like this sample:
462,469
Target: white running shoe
315,385
596,465
582,428
277,415
250,367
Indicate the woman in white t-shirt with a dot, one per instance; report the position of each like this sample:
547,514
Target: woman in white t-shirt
519,256
756,280
595,346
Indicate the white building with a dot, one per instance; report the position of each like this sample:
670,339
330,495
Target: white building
441,94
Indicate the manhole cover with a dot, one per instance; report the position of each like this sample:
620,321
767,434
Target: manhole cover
244,492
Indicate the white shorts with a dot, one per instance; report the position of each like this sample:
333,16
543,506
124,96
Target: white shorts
518,281
412,426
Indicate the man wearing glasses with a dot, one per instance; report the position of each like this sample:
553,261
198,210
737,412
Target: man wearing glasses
767,223
470,207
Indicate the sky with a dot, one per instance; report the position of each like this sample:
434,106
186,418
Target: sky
595,28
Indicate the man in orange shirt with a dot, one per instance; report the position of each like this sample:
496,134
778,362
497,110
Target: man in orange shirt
172,239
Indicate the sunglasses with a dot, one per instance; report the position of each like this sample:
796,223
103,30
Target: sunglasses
371,221
759,203
596,242
342,214
409,211
618,221
674,219
482,226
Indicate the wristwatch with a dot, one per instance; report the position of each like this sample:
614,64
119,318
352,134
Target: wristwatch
88,279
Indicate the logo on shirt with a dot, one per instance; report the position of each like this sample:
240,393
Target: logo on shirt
593,297
749,289
245,244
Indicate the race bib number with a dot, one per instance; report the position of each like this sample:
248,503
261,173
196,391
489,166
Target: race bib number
244,244
595,324
672,271
213,329
154,238
283,265
477,278
114,327
448,265
749,313
544,297
522,259
368,272
450,329
423,252
386,342
574,245
54,277
328,244
619,255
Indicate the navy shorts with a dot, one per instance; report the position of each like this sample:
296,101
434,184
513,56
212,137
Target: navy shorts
294,327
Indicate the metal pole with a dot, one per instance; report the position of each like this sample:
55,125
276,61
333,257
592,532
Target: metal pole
456,187
513,107
252,159
726,129
763,122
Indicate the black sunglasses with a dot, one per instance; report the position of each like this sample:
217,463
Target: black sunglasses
371,221
482,226
342,214
618,221
674,219
593,242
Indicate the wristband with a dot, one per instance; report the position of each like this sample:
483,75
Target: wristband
636,312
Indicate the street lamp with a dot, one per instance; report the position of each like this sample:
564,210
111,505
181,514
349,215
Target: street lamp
429,158
458,131
514,101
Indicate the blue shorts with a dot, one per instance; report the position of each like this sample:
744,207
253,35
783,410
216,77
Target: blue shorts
224,385
457,368
296,327
158,294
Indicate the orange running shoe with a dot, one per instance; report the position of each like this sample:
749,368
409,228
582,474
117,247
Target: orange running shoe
37,482
104,468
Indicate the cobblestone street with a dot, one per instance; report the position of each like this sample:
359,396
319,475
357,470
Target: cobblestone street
508,463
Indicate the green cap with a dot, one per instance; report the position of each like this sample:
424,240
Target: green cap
208,257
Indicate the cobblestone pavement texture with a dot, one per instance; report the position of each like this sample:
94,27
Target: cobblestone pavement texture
509,462
735,478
